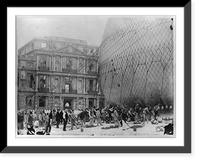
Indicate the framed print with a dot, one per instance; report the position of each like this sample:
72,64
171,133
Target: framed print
88,81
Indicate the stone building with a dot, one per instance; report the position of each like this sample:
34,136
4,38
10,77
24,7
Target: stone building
56,72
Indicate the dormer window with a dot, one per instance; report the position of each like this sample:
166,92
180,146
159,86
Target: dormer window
43,45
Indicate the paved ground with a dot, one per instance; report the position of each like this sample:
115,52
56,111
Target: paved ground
108,130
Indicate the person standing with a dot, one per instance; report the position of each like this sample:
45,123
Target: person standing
116,117
73,120
137,113
48,123
83,116
61,117
57,119
91,116
65,119
40,119
98,116
110,112
43,118
30,119
20,118
144,112
25,119
124,116
156,110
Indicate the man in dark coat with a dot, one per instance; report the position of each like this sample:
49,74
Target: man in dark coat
61,117
124,117
57,119
48,123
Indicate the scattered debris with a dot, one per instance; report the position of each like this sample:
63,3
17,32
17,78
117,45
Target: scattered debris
159,128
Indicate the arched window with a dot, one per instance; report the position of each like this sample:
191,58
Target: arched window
91,67
68,64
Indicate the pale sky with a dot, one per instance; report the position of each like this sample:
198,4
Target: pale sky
89,28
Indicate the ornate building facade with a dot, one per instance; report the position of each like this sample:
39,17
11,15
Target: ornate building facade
55,72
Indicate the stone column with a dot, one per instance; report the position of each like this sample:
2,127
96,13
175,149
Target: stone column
77,65
95,102
37,60
46,104
54,63
61,62
84,85
49,79
36,82
50,68
84,64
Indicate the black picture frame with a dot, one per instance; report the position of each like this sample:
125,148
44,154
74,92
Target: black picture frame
127,149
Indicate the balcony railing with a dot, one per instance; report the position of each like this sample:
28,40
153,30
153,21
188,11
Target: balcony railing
92,73
43,89
69,92
67,70
92,92
43,68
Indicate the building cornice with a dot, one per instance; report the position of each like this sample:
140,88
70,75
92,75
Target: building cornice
53,73
51,53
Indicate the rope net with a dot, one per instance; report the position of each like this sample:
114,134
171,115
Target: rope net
137,61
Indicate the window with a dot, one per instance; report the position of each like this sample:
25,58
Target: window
42,101
67,88
67,79
91,85
80,48
31,80
57,67
91,67
80,88
42,63
42,81
68,64
23,75
29,100
43,45
70,50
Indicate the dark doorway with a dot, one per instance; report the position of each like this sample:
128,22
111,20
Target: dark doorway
68,103
101,103
91,102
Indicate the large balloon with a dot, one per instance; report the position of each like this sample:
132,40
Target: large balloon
137,61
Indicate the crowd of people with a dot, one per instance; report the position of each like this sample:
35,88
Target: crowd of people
31,119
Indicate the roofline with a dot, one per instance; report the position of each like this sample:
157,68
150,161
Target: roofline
48,39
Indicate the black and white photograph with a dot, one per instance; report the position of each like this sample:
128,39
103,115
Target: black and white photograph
95,76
